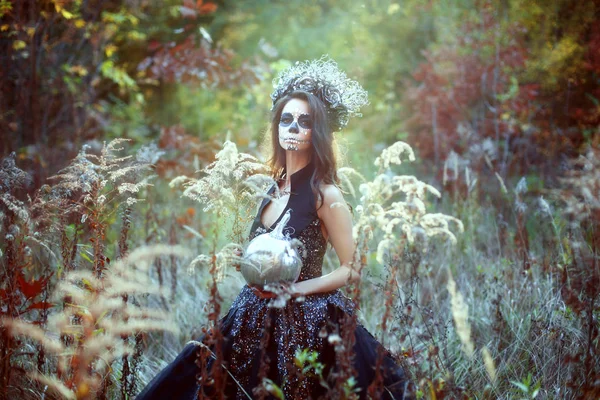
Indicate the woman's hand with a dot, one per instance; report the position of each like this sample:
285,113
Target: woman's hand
237,254
280,289
261,293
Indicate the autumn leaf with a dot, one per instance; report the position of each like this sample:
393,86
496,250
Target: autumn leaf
19,45
32,289
66,14
206,8
110,50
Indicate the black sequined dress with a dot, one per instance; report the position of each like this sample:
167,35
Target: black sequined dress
307,324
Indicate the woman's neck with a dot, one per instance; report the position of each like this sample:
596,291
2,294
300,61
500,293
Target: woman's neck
294,161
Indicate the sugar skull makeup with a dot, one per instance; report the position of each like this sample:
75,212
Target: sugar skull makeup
295,126
303,120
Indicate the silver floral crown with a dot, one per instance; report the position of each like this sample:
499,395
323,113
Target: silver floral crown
342,96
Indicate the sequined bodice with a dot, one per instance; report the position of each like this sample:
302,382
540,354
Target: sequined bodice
304,223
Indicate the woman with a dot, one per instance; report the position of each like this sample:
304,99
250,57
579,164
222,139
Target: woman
261,339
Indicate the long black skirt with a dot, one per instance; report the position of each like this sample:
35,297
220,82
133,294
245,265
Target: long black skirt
247,357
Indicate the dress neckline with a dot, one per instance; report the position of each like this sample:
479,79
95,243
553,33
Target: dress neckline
296,179
274,224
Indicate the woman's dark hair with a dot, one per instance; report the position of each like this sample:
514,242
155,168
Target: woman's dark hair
322,141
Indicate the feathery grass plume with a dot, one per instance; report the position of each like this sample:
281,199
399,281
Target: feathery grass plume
455,166
57,386
12,178
392,154
227,182
18,327
95,319
460,314
488,361
90,174
92,187
228,188
395,206
223,182
437,224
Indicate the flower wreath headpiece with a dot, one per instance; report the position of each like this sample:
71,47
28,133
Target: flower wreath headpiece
342,96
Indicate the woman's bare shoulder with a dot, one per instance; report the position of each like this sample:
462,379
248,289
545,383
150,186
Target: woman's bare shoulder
331,195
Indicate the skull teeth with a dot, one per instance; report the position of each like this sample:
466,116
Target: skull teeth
295,141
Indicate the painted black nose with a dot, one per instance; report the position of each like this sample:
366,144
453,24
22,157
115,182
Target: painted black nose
294,127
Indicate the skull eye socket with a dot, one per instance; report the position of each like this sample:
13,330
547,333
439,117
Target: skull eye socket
286,119
304,120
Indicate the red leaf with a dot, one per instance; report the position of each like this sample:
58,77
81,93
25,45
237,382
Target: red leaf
33,288
207,8
154,45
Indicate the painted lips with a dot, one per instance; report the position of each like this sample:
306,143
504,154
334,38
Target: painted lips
295,141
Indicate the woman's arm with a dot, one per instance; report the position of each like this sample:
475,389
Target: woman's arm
337,219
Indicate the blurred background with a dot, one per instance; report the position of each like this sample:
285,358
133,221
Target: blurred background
500,86
500,99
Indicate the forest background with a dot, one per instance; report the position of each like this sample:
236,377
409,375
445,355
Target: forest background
500,99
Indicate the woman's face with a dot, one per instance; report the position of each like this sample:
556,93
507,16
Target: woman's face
295,126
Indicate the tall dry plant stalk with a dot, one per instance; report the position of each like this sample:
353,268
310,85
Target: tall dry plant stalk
88,192
95,317
53,238
18,294
580,274
460,314
93,187
392,212
226,190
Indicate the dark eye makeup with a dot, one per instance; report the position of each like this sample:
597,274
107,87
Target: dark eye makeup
304,120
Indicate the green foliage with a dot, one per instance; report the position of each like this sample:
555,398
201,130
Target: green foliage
308,361
5,7
273,389
527,387
117,75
